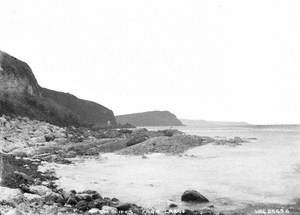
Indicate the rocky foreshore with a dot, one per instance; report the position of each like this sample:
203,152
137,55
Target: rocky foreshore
35,139
26,144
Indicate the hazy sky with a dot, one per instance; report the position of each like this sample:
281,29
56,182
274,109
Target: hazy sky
217,60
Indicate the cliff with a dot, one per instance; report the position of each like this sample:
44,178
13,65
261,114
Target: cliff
151,118
16,77
20,94
87,111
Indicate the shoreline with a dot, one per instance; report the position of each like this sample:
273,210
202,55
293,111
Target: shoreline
55,199
237,206
29,143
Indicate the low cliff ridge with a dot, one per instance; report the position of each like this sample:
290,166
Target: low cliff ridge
151,118
20,94
87,111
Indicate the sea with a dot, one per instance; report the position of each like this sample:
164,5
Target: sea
264,170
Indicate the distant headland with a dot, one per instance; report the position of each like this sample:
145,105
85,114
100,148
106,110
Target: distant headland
150,118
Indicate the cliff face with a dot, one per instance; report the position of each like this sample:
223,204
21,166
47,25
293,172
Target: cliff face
20,94
151,118
16,76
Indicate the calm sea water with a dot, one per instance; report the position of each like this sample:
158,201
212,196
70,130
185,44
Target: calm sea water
265,170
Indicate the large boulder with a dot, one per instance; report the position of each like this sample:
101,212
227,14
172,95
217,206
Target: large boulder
82,205
9,195
109,210
40,190
124,207
32,197
193,196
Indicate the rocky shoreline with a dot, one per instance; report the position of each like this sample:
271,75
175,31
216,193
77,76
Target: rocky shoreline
26,190
27,144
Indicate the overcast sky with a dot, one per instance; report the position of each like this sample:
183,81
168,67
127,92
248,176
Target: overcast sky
236,60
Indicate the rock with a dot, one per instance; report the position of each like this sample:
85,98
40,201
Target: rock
94,211
92,204
106,199
115,200
172,204
109,210
46,183
98,203
193,196
163,144
14,212
108,202
188,212
10,195
92,152
84,197
71,201
236,141
82,205
137,138
126,131
32,197
124,207
38,139
92,193
170,132
40,190
20,176
70,154
19,153
25,188
129,207
55,198
49,137
60,140
136,209
67,195
55,158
